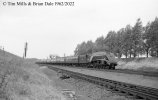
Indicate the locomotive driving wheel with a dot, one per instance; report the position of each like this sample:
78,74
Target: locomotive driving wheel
112,66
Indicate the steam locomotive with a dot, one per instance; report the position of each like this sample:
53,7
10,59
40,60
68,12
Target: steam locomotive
100,60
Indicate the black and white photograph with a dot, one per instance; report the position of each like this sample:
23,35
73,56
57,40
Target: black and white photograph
78,49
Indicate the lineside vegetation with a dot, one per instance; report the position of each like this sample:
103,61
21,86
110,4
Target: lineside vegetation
131,41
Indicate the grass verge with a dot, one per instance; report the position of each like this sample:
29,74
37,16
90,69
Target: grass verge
22,80
148,64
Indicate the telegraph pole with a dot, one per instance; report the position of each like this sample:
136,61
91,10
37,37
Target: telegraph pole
25,50
64,58
3,50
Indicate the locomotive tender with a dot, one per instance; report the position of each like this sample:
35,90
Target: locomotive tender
100,60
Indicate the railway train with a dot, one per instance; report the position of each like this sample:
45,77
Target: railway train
100,60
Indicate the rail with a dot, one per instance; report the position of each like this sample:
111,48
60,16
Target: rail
126,71
136,91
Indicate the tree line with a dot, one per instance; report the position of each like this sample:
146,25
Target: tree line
129,41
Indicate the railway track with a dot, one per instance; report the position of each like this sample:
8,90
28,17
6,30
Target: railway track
126,71
131,90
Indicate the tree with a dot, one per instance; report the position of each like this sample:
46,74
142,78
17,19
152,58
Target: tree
146,39
153,37
99,44
110,41
76,51
127,41
80,49
137,37
84,48
89,47
119,42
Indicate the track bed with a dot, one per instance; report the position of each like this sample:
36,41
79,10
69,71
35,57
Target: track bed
122,77
130,89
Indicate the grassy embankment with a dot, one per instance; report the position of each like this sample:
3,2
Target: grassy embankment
145,64
22,80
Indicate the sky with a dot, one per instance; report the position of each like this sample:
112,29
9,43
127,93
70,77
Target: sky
58,29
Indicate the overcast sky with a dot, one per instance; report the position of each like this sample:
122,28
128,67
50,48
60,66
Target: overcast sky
58,30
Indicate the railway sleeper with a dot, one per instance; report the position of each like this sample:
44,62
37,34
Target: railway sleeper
122,87
138,95
152,91
140,90
112,86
